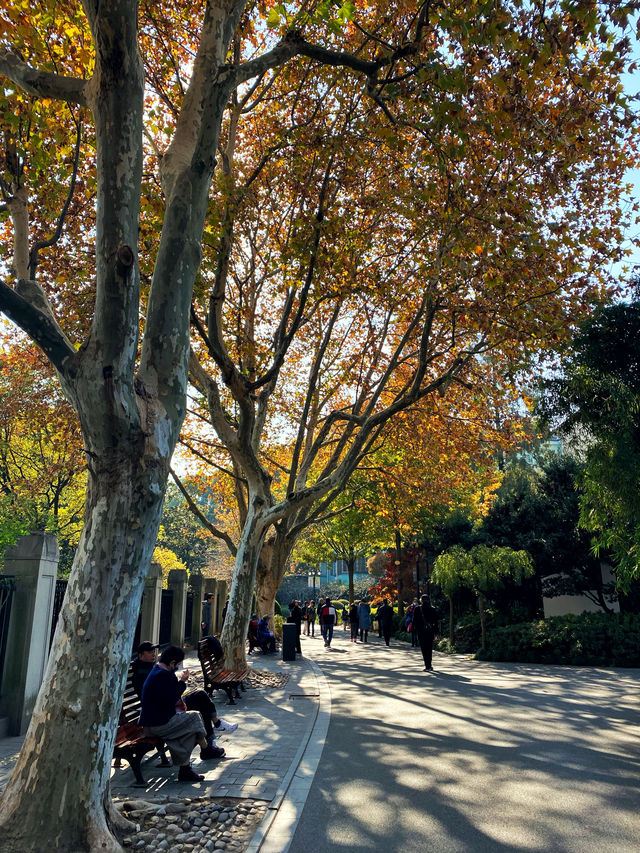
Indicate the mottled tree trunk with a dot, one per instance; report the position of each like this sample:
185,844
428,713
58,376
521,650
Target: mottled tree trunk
351,564
65,762
270,574
234,632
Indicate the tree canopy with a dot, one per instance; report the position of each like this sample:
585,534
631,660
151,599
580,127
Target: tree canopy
412,187
594,402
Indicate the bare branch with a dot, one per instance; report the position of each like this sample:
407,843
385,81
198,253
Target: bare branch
204,521
44,244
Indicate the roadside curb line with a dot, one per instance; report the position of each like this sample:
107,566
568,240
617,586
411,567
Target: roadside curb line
275,832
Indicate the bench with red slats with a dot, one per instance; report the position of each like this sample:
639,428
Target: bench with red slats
216,677
131,742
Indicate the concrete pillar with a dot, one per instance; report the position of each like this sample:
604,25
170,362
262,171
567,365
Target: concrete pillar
178,583
34,562
196,582
151,601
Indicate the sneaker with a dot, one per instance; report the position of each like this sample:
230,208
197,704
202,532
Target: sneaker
225,727
208,752
188,774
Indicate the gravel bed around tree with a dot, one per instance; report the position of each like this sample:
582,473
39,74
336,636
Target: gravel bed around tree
186,824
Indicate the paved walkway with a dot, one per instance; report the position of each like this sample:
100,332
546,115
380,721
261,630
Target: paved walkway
475,758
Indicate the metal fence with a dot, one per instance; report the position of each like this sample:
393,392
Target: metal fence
166,608
58,598
7,586
188,618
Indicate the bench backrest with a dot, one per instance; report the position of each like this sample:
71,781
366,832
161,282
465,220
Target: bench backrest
130,710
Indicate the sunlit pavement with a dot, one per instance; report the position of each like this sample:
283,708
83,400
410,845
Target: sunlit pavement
474,757
362,751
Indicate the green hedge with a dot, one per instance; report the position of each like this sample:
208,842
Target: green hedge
594,639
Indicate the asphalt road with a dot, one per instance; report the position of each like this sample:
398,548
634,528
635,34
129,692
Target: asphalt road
474,758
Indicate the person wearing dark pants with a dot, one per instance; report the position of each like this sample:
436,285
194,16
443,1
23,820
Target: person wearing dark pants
266,638
160,716
353,621
327,621
425,619
296,617
194,700
311,619
385,620
364,620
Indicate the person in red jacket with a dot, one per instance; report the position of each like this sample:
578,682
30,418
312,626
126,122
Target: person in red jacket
327,621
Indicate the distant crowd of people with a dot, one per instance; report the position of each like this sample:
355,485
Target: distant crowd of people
420,620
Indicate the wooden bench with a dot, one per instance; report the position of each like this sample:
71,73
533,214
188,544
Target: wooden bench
216,677
131,742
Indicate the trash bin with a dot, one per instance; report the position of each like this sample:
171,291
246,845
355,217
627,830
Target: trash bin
289,631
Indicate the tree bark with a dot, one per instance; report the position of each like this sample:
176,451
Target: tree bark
63,768
351,563
19,209
271,572
236,623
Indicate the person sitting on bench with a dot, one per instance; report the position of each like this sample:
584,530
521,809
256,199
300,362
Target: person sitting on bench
266,638
164,715
195,700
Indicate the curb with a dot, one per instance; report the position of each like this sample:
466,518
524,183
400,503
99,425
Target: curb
276,831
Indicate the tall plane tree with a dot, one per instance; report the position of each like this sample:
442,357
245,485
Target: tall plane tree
462,76
461,214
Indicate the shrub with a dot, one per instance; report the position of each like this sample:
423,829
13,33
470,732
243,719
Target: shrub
593,639
277,627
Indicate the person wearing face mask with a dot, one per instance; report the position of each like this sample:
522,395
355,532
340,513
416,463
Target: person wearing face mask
164,715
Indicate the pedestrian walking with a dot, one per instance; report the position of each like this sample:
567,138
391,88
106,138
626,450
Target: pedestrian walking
327,621
305,623
409,623
353,621
364,620
296,617
206,614
425,618
385,620
345,617
311,618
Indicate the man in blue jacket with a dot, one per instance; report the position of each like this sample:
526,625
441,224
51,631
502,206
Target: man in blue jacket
163,716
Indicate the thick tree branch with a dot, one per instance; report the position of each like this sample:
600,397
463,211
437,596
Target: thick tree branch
39,325
42,84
